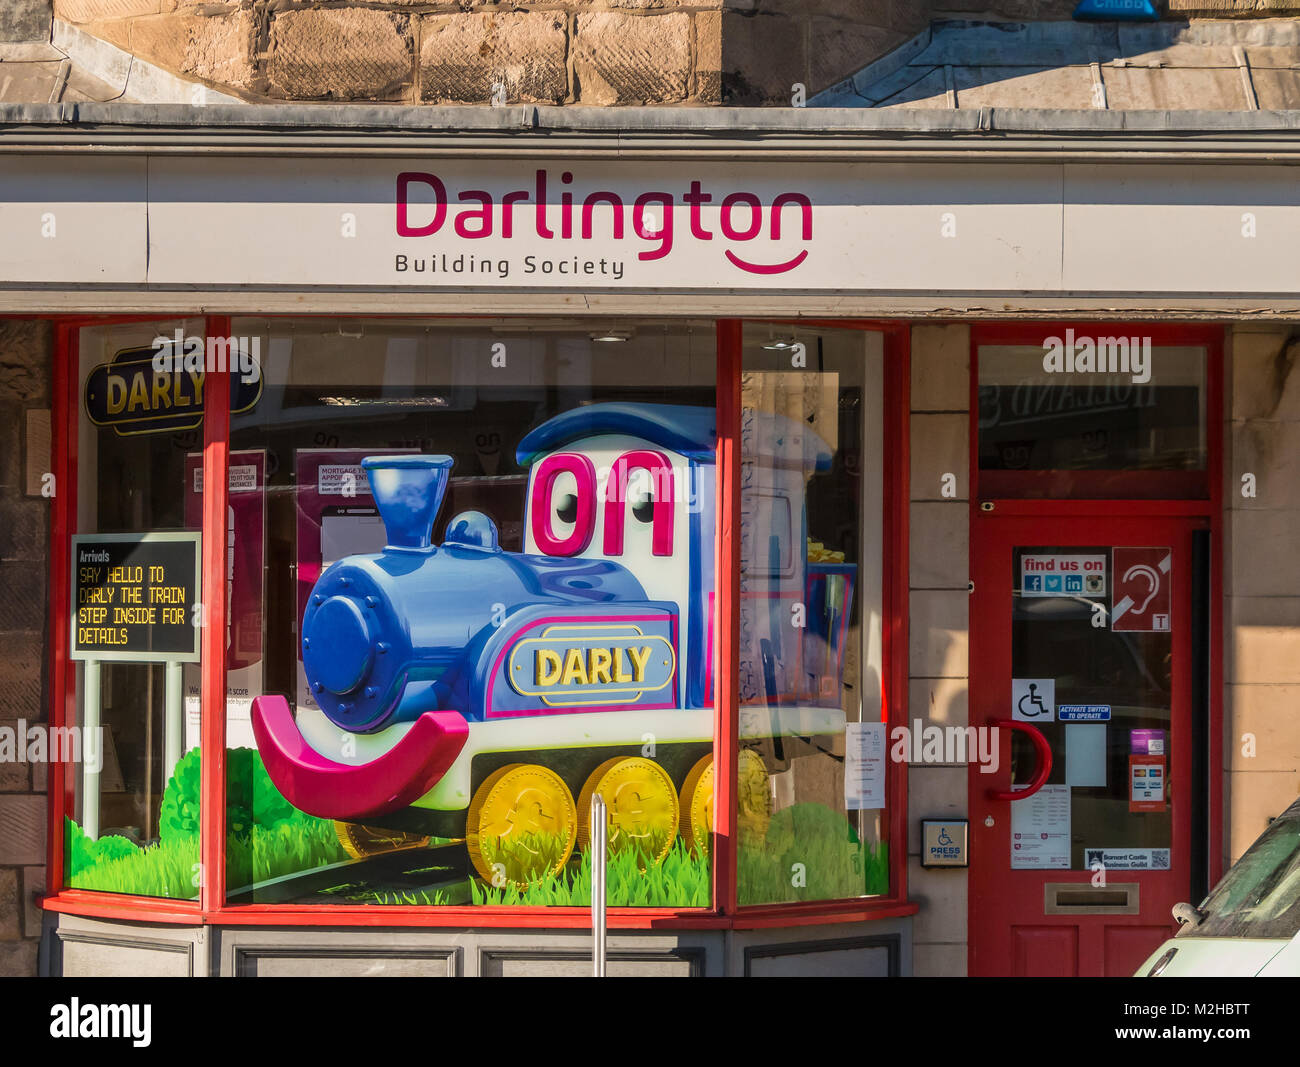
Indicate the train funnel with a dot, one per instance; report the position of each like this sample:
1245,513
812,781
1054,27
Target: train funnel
408,491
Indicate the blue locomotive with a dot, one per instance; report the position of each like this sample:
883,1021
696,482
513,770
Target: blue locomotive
471,692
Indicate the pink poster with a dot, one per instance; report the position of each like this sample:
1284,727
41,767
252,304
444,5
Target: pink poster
336,517
246,554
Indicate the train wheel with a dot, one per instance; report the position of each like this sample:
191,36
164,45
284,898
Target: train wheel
522,825
753,795
642,803
697,806
361,841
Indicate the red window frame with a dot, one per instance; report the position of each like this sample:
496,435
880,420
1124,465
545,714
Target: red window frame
211,906
1046,486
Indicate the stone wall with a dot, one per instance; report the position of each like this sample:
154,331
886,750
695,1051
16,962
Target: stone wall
1262,605
24,20
585,52
25,365
938,641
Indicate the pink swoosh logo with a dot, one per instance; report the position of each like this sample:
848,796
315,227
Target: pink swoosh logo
763,268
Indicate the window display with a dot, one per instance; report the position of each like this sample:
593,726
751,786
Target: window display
470,583
500,566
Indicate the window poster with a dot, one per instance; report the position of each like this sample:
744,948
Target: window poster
245,591
1146,783
864,766
337,517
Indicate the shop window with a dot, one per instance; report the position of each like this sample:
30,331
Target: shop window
1092,412
136,615
472,576
811,787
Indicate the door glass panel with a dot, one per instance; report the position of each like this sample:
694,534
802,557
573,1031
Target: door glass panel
1091,653
1038,412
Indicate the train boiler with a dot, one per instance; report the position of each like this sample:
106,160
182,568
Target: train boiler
476,693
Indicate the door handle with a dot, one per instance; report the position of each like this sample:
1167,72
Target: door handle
1042,750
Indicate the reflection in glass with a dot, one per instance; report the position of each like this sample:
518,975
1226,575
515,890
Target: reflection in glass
134,827
811,766
1034,417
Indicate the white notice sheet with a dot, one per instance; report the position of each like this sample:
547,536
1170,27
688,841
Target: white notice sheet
864,766
1040,829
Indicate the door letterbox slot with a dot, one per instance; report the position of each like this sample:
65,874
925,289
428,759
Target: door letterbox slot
1080,898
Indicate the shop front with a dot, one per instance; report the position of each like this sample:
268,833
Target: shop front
853,526
468,574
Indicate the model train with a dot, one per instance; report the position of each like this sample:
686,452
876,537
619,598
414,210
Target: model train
468,691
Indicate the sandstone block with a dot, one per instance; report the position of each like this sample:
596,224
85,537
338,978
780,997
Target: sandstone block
11,906
620,58
83,11
33,883
763,57
339,54
708,57
463,58
217,49
839,48
22,829
18,958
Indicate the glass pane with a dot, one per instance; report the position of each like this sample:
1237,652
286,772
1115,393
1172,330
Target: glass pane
812,757
485,552
1260,896
135,824
1058,406
1091,653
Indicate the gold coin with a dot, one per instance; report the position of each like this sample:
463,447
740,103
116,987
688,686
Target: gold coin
697,806
753,794
361,841
642,805
521,825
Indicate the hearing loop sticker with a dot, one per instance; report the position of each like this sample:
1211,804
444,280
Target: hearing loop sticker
1141,589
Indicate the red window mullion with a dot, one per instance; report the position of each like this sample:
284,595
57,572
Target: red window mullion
212,690
63,465
896,587
727,616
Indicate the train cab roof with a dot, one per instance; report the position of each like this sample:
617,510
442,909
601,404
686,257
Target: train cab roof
692,431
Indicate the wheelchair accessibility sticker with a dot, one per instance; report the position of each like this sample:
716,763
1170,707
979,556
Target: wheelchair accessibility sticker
1033,699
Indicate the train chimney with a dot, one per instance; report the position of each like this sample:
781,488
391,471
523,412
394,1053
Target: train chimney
408,491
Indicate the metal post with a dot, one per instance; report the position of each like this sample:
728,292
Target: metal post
174,723
599,843
90,768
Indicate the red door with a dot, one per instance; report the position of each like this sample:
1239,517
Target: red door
1080,648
